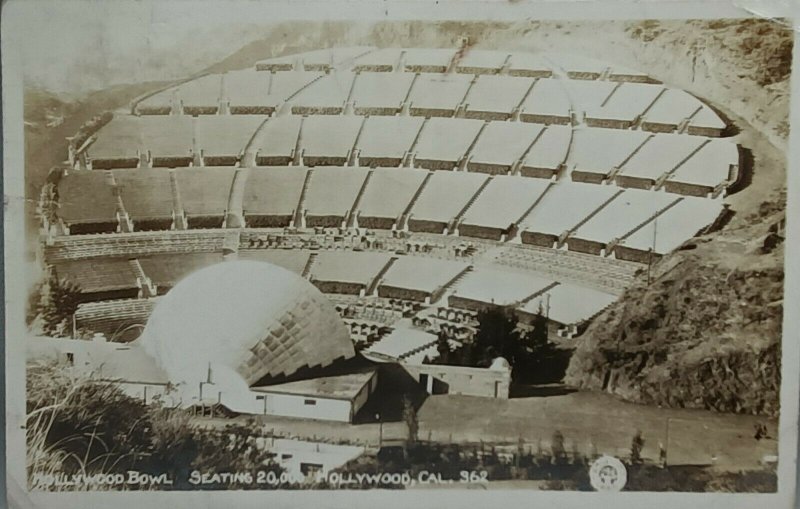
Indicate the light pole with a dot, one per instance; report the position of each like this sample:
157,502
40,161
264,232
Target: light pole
380,431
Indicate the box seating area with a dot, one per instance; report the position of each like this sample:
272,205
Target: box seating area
97,276
133,244
606,274
119,320
294,260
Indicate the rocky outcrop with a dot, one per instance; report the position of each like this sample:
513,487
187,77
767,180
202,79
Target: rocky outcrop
705,333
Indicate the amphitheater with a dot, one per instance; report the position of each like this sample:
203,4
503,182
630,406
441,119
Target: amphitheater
412,186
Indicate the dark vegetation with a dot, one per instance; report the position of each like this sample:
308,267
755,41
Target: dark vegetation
529,352
84,426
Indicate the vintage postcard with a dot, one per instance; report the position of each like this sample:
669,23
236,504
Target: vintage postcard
407,254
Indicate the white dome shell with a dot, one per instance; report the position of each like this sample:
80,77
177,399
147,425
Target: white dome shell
245,317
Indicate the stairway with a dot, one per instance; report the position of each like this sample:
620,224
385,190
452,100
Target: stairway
234,217
660,181
147,288
537,293
403,221
179,215
353,213
298,221
614,171
439,292
456,220
306,274
376,281
352,157
462,164
563,237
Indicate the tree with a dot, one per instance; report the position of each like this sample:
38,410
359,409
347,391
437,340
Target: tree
58,301
557,449
637,443
496,337
443,347
410,418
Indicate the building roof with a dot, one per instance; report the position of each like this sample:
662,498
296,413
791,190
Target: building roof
345,387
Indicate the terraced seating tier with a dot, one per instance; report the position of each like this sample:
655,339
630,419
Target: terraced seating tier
272,195
105,277
165,271
86,197
443,198
146,194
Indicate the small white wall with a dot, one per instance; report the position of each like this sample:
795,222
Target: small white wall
290,405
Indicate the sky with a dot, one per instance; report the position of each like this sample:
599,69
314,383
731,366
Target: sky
71,46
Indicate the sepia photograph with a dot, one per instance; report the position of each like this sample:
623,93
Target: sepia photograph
300,253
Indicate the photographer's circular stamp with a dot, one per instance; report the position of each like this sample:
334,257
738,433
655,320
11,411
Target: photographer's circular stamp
607,473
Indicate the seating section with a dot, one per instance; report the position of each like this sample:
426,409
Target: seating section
485,219
444,143
349,273
326,96
670,229
98,276
401,344
465,177
568,304
388,193
596,153
438,95
496,97
204,194
146,194
380,93
272,195
443,198
294,260
561,210
222,139
276,141
329,140
419,278
501,145
331,194
165,271
498,287
625,214
86,198
386,141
